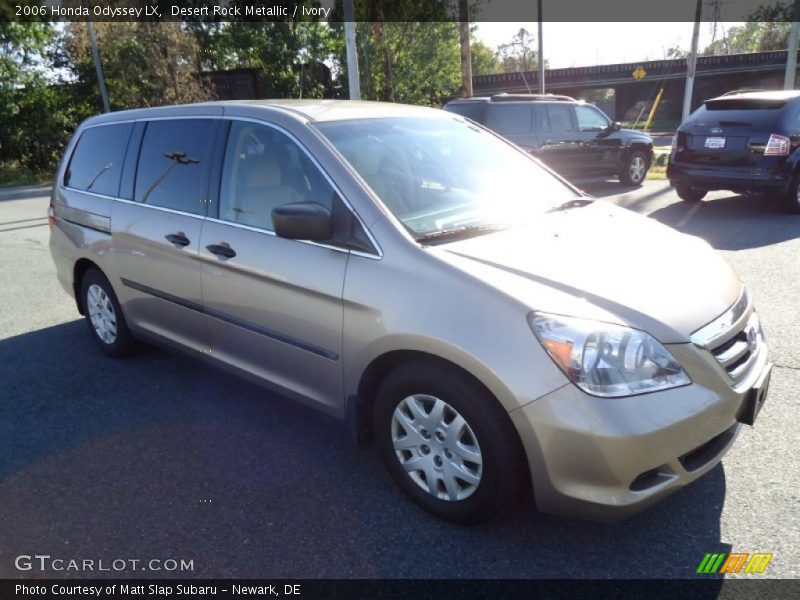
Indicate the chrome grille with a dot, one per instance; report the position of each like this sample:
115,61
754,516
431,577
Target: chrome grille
734,338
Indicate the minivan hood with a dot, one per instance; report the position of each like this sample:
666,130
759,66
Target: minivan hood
606,263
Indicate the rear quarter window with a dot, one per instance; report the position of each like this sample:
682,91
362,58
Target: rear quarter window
96,163
509,119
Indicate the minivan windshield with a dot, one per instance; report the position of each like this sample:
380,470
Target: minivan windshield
444,175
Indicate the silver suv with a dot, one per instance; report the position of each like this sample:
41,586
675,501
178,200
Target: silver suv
496,332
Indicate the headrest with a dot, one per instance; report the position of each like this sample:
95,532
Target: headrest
261,170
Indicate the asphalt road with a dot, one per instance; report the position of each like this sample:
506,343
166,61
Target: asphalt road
160,457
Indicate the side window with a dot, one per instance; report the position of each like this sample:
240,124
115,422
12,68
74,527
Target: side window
96,164
560,117
172,162
589,119
509,119
541,120
264,168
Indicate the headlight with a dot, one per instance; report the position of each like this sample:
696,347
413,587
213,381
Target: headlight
607,360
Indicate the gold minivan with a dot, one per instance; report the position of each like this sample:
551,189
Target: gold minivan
495,331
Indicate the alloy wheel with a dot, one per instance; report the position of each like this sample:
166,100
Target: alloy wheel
637,168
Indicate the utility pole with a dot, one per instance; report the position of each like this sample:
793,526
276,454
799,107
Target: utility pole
353,80
692,64
791,56
98,67
466,55
541,52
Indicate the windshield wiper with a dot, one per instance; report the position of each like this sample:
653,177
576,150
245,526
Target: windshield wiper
463,231
574,203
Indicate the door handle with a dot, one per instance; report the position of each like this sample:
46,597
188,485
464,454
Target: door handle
179,239
223,250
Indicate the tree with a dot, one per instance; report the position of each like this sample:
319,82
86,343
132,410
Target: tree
288,54
767,28
520,54
145,64
484,59
35,117
404,61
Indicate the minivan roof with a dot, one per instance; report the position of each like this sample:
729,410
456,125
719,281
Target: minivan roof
312,110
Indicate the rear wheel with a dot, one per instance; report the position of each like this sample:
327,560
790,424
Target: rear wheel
690,194
635,169
793,196
104,315
448,443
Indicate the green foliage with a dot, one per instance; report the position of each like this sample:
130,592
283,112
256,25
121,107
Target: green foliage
415,63
145,64
484,59
520,54
288,54
35,117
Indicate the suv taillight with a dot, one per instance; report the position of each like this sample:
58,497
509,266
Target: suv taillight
777,145
51,216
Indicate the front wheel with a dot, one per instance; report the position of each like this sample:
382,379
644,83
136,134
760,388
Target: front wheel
690,194
635,169
104,315
448,443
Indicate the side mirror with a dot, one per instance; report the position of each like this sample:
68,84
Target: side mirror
303,221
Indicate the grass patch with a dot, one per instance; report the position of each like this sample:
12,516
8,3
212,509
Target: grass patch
658,170
13,174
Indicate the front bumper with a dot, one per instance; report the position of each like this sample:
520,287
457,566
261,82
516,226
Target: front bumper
608,458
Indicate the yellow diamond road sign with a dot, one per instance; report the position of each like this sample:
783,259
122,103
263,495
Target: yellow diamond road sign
639,73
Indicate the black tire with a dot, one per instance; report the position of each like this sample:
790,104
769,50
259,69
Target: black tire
503,480
122,343
792,200
635,170
690,194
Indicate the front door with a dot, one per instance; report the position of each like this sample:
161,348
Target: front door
560,145
273,306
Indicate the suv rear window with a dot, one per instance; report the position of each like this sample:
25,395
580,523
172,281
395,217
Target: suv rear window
471,110
748,112
745,104
96,163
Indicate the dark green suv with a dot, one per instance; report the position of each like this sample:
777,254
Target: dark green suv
575,139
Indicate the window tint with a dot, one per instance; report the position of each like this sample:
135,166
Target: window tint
590,119
172,163
560,117
96,164
509,118
263,169
762,114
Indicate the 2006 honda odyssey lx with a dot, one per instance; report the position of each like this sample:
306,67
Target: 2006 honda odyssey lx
494,331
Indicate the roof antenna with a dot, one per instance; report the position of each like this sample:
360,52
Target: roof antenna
525,81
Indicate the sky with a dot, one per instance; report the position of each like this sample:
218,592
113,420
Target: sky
587,44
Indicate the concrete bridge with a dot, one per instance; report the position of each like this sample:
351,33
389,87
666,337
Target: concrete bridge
715,75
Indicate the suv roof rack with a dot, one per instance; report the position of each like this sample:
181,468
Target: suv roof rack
505,97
